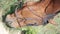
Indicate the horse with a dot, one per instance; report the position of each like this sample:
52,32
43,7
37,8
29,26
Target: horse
34,14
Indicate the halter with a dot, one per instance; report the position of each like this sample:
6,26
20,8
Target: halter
44,20
25,19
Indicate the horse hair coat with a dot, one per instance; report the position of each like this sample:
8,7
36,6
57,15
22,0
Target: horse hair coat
34,13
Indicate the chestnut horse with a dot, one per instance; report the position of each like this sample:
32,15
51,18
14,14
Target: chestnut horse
34,13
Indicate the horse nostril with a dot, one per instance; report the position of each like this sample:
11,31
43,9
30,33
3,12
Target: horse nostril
46,22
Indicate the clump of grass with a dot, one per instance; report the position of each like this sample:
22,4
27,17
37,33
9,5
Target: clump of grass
29,30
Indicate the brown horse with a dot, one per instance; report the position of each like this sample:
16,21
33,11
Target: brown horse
34,13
